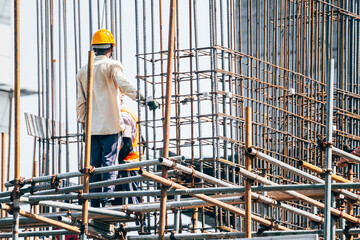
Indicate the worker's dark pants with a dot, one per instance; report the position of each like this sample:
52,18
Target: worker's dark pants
104,150
133,186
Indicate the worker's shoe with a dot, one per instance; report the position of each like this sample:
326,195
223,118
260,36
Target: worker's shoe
107,204
95,203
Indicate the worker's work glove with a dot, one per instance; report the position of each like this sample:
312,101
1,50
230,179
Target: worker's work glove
152,103
125,150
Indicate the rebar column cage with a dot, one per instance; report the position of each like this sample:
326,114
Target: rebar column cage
270,55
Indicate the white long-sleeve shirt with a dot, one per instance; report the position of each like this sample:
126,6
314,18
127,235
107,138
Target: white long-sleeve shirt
130,126
109,83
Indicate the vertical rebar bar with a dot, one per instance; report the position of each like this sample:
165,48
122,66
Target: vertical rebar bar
248,143
16,207
3,167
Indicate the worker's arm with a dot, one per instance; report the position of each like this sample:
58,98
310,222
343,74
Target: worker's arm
127,89
124,85
81,100
126,149
128,136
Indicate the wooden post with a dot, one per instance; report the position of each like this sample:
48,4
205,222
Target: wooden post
88,121
163,197
248,144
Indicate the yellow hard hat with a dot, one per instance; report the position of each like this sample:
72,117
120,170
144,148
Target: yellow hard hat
103,36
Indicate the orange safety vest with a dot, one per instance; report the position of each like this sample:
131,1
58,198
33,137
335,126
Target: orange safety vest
134,155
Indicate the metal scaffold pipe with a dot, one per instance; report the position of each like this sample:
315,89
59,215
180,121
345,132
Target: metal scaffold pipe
328,224
37,233
100,170
49,221
91,185
260,155
341,153
230,235
264,199
300,196
214,201
79,208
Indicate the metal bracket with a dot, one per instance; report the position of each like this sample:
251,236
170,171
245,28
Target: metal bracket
80,197
18,181
32,185
55,182
89,170
323,144
328,171
15,193
121,232
12,209
84,228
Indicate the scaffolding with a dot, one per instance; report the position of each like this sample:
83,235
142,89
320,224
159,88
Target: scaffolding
259,100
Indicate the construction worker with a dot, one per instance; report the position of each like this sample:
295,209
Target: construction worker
129,152
107,124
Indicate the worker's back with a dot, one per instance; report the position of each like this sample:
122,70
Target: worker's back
108,79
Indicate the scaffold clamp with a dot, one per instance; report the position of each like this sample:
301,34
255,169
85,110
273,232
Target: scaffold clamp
80,196
89,170
13,209
84,228
55,182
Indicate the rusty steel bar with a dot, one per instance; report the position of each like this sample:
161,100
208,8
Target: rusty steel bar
248,143
350,204
3,167
34,174
171,43
16,190
321,171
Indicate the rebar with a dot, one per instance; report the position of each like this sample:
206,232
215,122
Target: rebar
224,56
